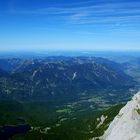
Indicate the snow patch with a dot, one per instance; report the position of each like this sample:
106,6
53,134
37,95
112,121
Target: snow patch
102,120
74,75
33,75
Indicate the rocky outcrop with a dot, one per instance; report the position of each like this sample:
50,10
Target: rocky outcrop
126,125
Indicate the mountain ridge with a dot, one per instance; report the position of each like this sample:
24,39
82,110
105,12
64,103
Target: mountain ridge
126,125
60,76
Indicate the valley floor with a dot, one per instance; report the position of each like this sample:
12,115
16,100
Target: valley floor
73,120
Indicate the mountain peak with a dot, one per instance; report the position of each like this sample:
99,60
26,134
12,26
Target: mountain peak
126,124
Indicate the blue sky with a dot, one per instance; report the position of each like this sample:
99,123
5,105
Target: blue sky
38,25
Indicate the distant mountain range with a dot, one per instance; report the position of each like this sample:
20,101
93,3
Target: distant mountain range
58,77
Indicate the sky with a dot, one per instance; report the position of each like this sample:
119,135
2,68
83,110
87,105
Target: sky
53,25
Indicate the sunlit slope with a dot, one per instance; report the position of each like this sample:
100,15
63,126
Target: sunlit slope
126,124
